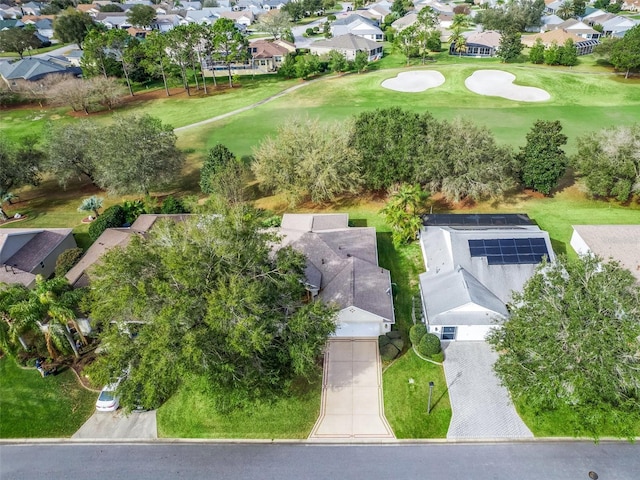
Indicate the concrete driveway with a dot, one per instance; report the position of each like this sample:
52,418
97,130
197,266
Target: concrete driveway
114,425
352,406
482,408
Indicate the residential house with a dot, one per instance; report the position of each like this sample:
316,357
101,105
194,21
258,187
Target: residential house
42,24
254,6
578,28
342,269
27,252
357,25
349,45
631,5
79,275
8,12
33,69
164,23
559,37
274,4
436,6
549,22
618,26
113,20
610,242
473,264
552,6
191,6
479,44
91,8
31,8
405,22
206,16
268,55
243,17
11,23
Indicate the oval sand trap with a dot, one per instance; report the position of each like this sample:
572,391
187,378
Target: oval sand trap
415,81
496,83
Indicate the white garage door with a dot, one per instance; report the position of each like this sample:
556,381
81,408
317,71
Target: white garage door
358,329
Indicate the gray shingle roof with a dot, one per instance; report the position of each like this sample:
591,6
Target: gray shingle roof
346,259
348,42
33,69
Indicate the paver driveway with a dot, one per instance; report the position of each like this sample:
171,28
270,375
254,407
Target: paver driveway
482,408
352,406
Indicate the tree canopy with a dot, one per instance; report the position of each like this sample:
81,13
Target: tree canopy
18,40
572,342
609,162
206,297
542,159
512,16
307,157
141,16
72,26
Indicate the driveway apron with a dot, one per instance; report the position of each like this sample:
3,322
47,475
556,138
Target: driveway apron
114,425
352,406
482,408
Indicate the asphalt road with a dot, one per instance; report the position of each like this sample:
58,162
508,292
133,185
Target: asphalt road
514,461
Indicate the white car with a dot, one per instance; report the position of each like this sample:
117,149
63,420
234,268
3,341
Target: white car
108,401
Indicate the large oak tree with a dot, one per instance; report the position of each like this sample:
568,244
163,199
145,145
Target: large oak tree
571,343
206,297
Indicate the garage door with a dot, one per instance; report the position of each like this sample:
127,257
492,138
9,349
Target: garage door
358,329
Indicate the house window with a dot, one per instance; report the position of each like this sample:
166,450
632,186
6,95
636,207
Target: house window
448,333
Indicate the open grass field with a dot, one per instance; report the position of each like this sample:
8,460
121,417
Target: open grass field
190,414
36,407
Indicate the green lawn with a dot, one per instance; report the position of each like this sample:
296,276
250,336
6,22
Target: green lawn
563,422
35,51
32,406
582,102
190,414
405,401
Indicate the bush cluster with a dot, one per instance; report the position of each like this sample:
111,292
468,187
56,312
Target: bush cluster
67,260
416,333
112,217
390,344
429,345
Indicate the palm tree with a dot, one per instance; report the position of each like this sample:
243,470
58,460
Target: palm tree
460,20
458,41
5,197
566,10
402,213
91,204
49,308
12,329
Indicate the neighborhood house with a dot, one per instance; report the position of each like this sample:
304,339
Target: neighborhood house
473,264
342,269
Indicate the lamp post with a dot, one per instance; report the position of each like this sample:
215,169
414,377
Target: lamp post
430,392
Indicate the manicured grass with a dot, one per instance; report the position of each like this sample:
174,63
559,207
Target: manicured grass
177,110
405,402
32,406
35,51
561,423
190,414
582,102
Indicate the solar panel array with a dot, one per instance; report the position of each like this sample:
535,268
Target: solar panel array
510,251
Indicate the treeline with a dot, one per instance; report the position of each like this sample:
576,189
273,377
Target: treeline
377,150
129,156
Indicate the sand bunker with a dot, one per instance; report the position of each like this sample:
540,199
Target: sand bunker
416,81
496,83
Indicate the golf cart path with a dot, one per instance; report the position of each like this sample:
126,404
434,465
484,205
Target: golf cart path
249,107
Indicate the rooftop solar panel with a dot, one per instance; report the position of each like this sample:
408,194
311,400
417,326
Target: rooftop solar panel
510,251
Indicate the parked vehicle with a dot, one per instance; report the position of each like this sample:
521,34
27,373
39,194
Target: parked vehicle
108,401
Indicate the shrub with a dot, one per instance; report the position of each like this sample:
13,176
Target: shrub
438,357
112,217
172,205
429,345
398,343
132,209
389,351
309,32
383,340
66,260
394,334
272,221
416,333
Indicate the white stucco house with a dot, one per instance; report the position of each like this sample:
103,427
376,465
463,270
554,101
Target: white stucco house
473,264
342,269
